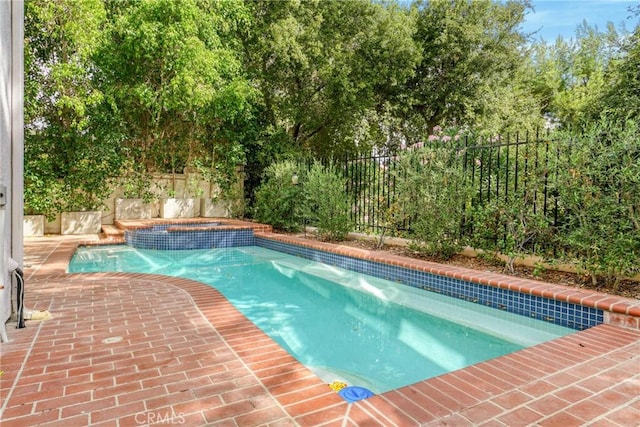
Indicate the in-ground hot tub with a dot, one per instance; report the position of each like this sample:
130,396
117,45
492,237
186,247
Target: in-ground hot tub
189,235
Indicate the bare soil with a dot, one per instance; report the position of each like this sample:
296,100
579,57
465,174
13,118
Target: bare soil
625,288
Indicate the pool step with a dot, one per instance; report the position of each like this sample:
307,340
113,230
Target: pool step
112,233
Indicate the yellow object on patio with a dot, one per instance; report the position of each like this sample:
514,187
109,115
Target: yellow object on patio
337,385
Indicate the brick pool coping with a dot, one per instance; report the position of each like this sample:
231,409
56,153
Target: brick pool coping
591,377
618,310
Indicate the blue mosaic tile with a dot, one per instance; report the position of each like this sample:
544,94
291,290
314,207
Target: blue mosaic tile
561,313
160,238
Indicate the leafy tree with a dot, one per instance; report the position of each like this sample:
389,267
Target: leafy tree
322,65
622,97
65,168
570,76
172,74
471,56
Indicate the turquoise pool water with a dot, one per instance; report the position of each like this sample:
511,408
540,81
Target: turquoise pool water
345,326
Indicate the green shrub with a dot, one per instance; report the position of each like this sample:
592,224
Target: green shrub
136,181
78,180
510,226
278,201
598,187
433,193
41,187
326,202
513,223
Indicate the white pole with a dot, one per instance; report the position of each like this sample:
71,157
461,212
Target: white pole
17,131
5,277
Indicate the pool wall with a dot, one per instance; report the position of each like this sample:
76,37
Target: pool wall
562,313
196,235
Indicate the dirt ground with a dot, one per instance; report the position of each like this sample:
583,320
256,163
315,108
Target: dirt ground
625,288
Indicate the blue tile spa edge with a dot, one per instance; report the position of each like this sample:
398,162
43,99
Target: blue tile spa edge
163,239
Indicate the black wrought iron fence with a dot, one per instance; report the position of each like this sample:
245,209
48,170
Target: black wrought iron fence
498,168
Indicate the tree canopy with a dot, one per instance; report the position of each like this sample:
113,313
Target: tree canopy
138,87
471,52
321,66
61,153
172,74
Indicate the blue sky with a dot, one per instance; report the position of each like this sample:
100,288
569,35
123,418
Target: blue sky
561,17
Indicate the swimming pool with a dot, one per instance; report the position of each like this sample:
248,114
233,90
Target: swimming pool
343,325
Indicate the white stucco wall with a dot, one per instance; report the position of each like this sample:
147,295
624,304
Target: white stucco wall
11,143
